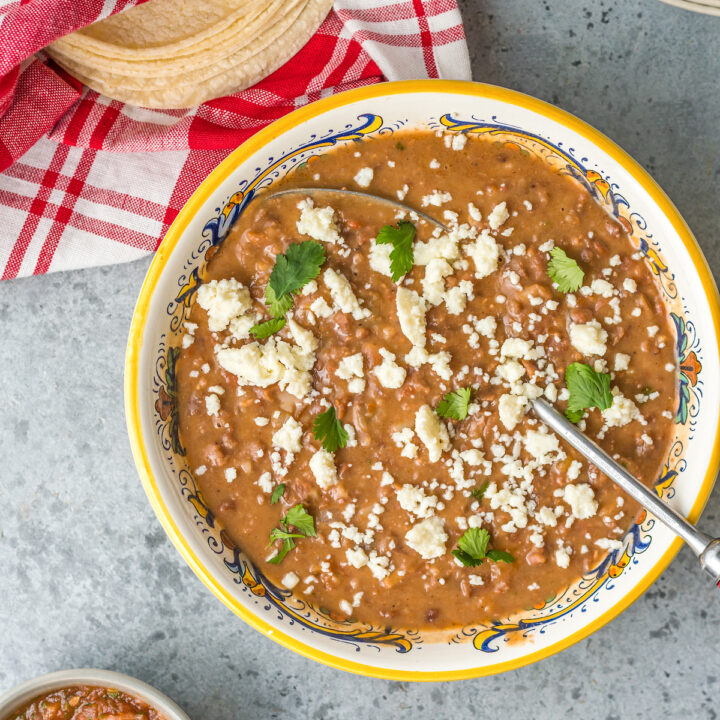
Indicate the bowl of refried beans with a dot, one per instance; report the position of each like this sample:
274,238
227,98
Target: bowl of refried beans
329,396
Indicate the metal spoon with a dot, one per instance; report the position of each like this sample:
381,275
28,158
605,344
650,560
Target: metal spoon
704,546
357,193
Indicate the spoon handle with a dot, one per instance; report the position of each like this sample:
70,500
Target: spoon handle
705,547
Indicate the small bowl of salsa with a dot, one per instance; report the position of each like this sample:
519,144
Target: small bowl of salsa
87,694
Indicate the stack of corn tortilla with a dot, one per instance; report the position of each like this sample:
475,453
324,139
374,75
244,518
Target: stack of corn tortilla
180,53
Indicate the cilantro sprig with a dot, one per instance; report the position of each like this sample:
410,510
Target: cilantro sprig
401,238
269,327
278,306
480,490
455,404
564,271
329,430
300,519
587,389
297,267
472,549
277,493
293,270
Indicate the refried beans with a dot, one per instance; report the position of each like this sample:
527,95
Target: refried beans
423,384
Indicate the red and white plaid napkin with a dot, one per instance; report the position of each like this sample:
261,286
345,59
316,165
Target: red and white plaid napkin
86,180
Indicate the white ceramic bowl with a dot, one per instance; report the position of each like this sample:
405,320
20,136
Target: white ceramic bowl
17,697
572,147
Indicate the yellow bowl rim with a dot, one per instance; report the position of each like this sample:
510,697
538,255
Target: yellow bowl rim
194,204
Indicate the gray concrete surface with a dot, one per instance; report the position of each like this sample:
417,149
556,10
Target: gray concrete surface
88,578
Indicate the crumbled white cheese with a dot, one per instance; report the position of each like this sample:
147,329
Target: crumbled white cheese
309,288
389,373
562,558
486,326
511,370
622,362
512,408
290,580
318,223
485,253
498,215
274,362
288,437
230,474
542,446
411,310
265,482
588,338
351,368
223,300
304,338
320,308
581,500
428,538
414,500
212,404
240,326
356,557
342,294
432,432
518,348
364,177
621,412
608,544
380,258
403,440
630,285
436,198
456,297
433,283
323,468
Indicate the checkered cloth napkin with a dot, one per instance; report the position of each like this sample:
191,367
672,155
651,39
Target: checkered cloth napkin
86,180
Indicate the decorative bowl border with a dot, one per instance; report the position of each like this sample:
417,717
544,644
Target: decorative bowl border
256,588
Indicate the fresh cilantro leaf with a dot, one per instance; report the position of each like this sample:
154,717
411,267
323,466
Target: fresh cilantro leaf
587,389
267,328
298,266
296,517
277,493
401,238
329,430
278,534
472,549
466,559
287,546
479,491
474,542
574,416
564,271
299,518
278,307
455,404
500,556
